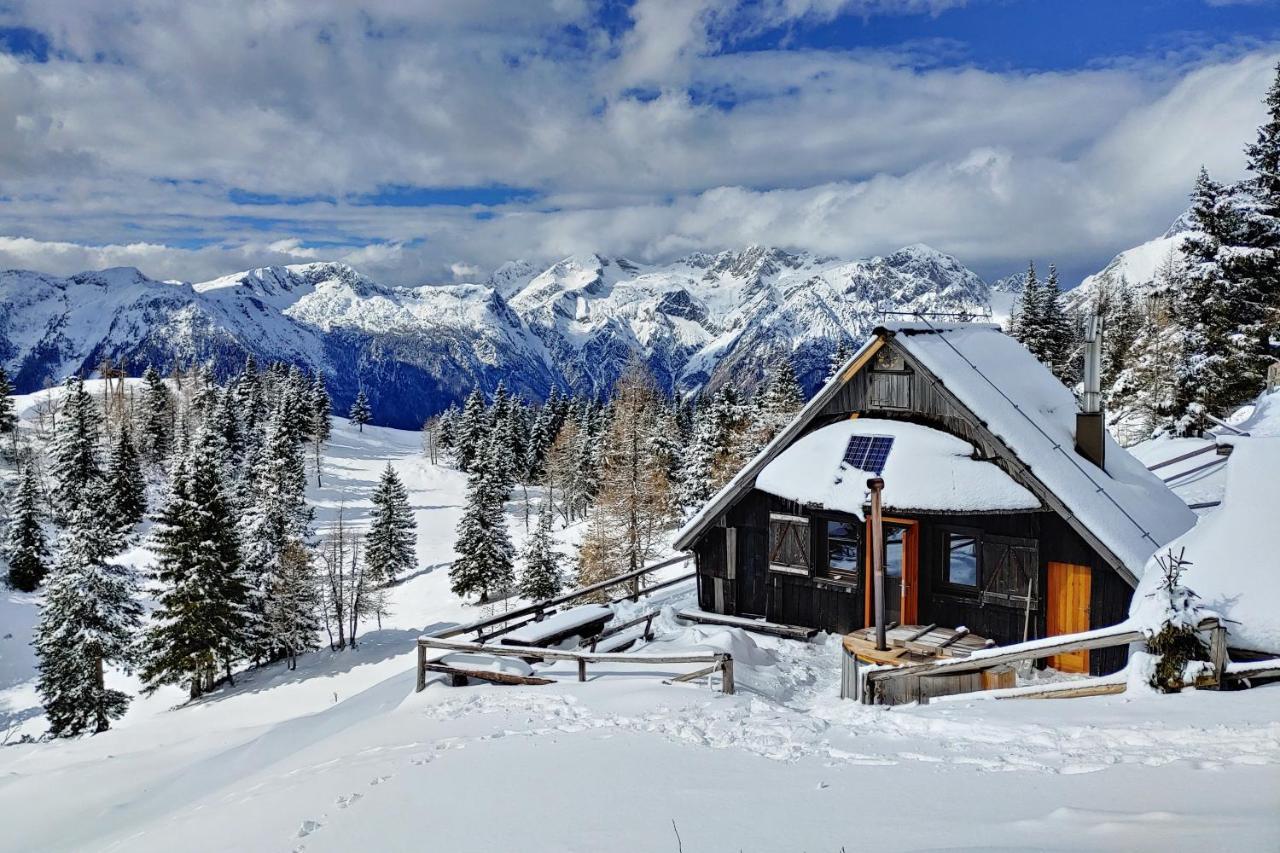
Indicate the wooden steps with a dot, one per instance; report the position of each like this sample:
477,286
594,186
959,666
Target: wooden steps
759,626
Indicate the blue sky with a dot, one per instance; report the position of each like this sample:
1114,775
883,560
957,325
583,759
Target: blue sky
434,143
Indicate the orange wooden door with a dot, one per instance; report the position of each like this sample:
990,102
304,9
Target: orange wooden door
906,553
1068,611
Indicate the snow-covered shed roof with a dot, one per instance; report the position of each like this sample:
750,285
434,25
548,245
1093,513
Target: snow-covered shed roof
927,470
1024,405
1125,511
1234,552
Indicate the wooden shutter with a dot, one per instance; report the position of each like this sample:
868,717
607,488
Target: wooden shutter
1010,571
790,544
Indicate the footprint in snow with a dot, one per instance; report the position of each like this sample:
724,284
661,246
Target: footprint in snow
419,760
308,827
378,780
343,802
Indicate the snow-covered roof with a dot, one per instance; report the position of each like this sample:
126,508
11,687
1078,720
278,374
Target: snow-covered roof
1235,567
927,470
1126,507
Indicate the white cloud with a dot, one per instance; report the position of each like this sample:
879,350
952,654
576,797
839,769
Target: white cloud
130,160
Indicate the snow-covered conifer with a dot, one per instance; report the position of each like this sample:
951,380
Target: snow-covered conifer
75,460
483,566
157,416
542,576
471,432
360,413
27,550
90,615
199,626
389,544
126,490
8,418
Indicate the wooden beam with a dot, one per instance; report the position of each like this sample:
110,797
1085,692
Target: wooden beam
459,673
1104,689
774,629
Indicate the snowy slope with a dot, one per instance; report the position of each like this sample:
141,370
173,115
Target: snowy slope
696,322
341,755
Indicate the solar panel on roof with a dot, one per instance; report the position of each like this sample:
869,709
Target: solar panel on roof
868,452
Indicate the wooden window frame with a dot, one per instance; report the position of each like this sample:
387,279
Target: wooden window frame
944,579
824,572
785,568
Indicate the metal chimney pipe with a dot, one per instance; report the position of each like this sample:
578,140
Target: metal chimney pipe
876,485
1090,430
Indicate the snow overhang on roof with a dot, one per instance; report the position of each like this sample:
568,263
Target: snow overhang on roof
1233,553
927,470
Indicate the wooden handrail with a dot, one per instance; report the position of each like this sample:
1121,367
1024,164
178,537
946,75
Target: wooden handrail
1039,649
539,607
720,660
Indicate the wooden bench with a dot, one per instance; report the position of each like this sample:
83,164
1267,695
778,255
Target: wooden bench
760,626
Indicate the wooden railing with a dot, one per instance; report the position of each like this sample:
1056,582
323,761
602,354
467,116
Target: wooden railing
537,610
907,683
721,662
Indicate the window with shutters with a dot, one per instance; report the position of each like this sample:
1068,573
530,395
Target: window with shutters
790,545
1010,571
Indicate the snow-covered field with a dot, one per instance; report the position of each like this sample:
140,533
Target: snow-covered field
342,755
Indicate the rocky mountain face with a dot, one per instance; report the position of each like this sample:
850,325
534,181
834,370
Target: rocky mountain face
696,322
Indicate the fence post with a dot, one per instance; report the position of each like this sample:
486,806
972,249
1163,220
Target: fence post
422,668
726,675
1218,654
582,669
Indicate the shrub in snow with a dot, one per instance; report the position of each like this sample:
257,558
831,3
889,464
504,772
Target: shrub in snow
1175,641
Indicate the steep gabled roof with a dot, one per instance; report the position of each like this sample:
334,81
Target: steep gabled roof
1125,512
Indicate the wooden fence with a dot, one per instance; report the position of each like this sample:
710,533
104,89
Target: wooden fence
721,662
899,685
535,612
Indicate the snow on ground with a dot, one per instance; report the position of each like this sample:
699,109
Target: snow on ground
1232,553
342,755
1260,419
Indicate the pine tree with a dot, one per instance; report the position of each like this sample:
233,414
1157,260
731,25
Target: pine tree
126,493
319,406
472,431
1026,322
199,626
89,618
28,552
360,413
389,544
75,463
1214,371
1062,332
8,418
838,359
293,605
542,577
1257,267
273,528
157,416
483,566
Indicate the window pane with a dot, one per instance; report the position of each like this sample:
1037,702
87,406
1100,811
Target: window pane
843,554
962,560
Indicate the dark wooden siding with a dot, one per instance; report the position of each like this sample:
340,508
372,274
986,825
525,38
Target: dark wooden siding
814,603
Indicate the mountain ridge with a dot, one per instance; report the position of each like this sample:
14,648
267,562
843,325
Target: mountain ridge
696,322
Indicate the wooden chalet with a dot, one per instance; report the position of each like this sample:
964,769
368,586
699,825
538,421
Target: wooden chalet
1006,509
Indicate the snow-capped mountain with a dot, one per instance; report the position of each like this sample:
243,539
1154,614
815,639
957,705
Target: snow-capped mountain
695,322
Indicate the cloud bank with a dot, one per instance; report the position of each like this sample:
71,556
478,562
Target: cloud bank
434,141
